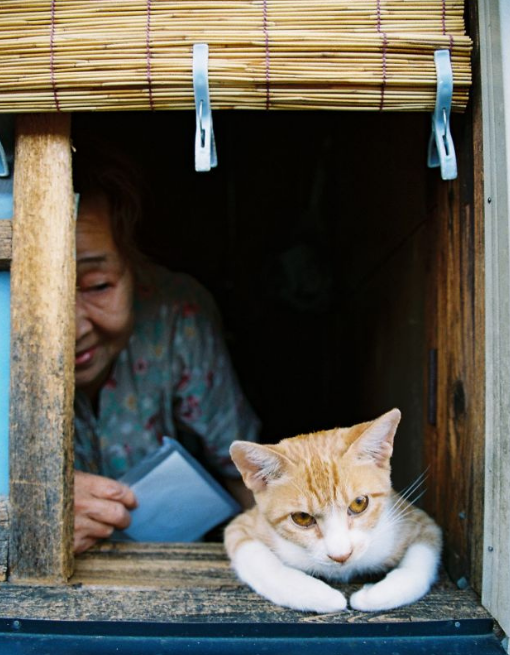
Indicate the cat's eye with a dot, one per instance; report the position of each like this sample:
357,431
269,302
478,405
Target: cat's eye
303,519
358,505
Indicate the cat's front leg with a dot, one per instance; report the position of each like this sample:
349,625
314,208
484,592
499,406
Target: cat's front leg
260,568
407,583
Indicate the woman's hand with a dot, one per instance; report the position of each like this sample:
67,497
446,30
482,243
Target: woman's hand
100,506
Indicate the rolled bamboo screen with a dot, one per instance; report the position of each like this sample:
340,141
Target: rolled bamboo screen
71,55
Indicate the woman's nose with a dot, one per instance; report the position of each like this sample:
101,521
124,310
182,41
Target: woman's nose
83,322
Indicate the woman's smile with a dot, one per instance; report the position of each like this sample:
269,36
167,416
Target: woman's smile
85,357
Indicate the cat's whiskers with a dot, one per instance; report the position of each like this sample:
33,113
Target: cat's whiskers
399,512
404,497
411,488
403,506
396,518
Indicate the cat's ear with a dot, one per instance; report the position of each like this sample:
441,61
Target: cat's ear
375,444
257,464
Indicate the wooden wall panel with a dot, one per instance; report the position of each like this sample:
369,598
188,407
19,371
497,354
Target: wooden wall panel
42,351
454,433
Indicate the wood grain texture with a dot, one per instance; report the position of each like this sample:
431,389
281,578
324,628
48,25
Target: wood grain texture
454,446
494,32
42,350
193,583
4,536
5,243
478,377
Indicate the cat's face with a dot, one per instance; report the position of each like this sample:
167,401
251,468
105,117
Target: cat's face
324,493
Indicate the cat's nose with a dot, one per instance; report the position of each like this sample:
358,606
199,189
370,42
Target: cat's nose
341,559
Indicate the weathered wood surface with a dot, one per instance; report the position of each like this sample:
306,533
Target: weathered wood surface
4,536
454,446
192,583
42,350
494,32
5,243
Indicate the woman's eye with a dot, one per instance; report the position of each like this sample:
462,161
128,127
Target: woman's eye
303,519
358,505
94,288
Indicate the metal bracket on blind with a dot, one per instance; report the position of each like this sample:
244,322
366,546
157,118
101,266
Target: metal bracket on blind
4,165
6,146
205,147
441,150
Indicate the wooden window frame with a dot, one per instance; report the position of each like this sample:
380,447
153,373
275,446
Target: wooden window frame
41,469
42,351
41,421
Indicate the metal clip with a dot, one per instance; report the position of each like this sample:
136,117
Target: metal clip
4,165
441,151
205,146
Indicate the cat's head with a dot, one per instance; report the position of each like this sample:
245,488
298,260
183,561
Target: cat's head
323,493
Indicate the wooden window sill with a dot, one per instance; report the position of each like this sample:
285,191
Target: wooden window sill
176,583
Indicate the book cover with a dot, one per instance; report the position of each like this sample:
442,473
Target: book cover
178,500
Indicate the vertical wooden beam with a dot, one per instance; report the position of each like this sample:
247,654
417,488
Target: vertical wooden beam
42,351
494,26
455,430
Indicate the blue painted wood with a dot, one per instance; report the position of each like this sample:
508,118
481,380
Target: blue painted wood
6,182
5,321
7,141
5,330
467,637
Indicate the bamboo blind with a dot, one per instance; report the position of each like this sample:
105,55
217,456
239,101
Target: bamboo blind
70,55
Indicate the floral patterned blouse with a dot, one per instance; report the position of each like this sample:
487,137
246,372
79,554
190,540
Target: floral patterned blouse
174,378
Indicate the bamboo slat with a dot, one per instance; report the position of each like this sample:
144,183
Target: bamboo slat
70,55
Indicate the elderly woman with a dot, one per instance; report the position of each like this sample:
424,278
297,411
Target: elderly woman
150,357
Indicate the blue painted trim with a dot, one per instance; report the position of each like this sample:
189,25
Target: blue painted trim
5,346
466,637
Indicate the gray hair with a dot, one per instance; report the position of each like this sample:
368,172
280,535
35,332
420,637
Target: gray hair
101,168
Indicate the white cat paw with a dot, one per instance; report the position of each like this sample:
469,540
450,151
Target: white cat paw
307,594
378,597
283,585
329,600
364,600
399,587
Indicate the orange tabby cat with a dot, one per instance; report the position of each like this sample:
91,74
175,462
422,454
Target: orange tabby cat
325,507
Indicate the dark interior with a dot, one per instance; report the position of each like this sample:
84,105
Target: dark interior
311,235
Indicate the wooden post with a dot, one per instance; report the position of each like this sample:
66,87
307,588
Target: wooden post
42,351
454,432
494,29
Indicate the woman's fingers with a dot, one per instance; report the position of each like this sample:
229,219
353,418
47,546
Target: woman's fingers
100,506
101,487
110,512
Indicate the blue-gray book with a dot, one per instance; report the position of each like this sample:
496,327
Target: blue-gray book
178,500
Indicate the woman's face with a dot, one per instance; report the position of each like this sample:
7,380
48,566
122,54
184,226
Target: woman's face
104,297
